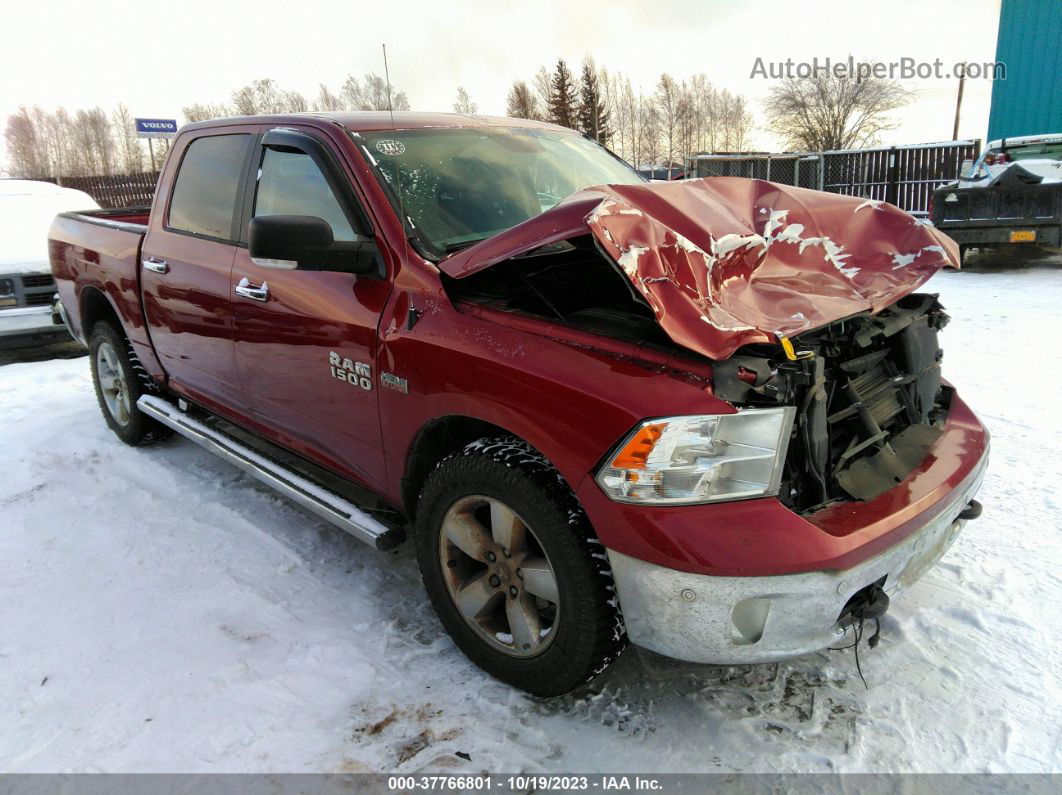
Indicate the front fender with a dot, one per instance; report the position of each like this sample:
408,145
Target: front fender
572,402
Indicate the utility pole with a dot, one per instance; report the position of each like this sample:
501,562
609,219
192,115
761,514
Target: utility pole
958,102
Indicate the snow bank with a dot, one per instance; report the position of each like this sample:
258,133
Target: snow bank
162,612
27,209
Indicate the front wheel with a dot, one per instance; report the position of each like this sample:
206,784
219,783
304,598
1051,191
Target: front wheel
117,378
514,570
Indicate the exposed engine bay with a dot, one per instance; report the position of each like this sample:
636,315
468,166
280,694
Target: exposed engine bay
869,398
572,282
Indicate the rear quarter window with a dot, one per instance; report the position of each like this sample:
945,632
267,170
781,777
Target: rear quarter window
207,185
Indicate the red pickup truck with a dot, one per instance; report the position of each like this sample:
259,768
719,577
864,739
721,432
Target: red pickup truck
703,416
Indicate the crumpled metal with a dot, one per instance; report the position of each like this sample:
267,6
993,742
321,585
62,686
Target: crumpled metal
726,261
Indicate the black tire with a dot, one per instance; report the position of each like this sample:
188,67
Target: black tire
137,428
589,631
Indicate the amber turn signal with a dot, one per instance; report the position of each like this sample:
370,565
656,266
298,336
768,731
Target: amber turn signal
635,453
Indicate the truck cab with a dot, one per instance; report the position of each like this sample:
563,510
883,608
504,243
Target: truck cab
703,416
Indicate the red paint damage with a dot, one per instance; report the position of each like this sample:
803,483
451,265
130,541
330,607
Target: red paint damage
726,261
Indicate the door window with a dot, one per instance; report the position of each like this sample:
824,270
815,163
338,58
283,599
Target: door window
290,183
207,185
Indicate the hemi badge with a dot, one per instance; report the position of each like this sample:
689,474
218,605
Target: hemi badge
392,381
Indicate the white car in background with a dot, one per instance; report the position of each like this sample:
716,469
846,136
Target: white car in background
27,209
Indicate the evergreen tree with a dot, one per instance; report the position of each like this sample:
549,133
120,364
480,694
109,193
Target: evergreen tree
563,102
593,115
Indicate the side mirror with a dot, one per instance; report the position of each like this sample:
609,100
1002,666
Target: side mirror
966,172
306,242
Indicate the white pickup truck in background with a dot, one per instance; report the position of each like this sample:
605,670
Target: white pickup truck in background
27,290
1039,155
1010,197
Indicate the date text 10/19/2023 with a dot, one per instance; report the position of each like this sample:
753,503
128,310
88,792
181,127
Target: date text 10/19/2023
523,783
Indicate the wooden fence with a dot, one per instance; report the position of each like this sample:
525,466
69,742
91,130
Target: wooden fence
129,190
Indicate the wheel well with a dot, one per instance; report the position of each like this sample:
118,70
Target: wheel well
436,440
94,308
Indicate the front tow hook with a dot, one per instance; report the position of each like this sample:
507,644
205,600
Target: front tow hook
971,511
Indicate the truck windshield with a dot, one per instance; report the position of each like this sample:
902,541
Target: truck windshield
462,185
1039,151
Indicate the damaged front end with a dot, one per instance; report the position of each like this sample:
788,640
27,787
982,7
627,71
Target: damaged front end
869,397
795,298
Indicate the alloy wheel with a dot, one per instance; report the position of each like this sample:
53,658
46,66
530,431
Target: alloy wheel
112,383
498,576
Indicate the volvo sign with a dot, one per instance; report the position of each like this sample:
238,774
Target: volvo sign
156,128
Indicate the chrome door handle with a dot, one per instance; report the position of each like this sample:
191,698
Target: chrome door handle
156,265
248,290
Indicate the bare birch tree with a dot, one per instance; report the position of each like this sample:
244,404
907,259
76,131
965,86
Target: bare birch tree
542,83
464,103
263,97
736,122
205,112
130,153
26,149
327,99
371,94
667,106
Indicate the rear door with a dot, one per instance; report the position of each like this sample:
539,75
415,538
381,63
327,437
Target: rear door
186,264
306,340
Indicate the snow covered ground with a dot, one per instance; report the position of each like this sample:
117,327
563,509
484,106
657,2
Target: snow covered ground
159,611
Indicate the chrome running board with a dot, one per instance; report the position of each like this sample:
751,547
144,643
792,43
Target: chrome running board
325,504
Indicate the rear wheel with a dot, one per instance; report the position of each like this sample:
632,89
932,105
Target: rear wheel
119,382
514,570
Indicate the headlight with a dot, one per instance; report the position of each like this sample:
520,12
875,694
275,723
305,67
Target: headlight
700,458
7,288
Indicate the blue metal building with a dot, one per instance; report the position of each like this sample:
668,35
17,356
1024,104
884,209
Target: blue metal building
1029,100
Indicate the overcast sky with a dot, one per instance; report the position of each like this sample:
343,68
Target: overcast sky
159,57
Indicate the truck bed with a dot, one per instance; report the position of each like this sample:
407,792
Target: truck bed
987,215
95,257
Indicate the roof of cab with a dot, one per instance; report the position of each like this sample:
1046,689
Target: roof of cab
366,121
1019,140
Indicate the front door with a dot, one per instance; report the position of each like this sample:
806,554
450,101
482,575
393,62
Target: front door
186,267
306,340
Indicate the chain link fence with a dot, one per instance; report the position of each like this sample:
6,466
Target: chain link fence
901,175
801,170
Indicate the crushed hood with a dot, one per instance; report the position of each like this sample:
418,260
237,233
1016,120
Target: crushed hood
726,261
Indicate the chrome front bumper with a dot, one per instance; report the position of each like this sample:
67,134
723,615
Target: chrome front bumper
25,321
735,620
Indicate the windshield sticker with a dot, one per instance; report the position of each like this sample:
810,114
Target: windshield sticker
390,147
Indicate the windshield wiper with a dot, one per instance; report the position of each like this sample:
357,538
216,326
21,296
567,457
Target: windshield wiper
450,248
